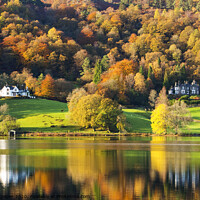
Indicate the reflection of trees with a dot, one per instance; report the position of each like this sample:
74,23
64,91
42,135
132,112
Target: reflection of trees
110,172
107,171
45,183
164,172
174,168
34,175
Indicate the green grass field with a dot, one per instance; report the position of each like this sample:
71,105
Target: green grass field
138,121
41,115
194,127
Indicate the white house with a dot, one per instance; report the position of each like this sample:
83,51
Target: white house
13,91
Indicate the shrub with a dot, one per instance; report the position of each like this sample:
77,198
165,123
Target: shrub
6,121
195,97
185,97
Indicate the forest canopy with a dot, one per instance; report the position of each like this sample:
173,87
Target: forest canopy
126,48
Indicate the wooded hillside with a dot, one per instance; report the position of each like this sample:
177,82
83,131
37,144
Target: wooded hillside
103,44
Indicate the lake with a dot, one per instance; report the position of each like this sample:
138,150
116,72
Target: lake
100,168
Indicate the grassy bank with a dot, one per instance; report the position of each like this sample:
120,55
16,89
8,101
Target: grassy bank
48,116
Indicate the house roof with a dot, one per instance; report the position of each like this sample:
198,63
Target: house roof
11,87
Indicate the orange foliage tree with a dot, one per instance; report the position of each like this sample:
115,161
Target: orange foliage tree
91,16
117,73
48,87
86,36
120,69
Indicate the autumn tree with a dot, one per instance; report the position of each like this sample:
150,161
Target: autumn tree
74,97
31,83
170,118
20,78
79,57
152,98
179,117
86,36
156,14
48,87
121,68
62,88
162,98
96,112
159,122
140,85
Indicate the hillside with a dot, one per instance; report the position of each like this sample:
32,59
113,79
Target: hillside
136,46
41,115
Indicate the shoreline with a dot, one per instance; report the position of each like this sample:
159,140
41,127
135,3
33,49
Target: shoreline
98,135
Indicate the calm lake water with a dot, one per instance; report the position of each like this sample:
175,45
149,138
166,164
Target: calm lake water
99,168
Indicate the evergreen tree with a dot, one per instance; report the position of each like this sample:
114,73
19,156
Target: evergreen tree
166,80
150,73
40,77
183,73
85,66
97,72
141,70
159,61
105,63
38,84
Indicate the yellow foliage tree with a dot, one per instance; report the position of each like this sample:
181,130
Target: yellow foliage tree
140,85
156,14
159,119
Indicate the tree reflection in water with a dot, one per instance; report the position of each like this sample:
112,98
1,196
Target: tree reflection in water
158,171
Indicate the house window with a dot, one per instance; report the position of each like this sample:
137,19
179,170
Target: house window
193,91
7,89
182,91
7,93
